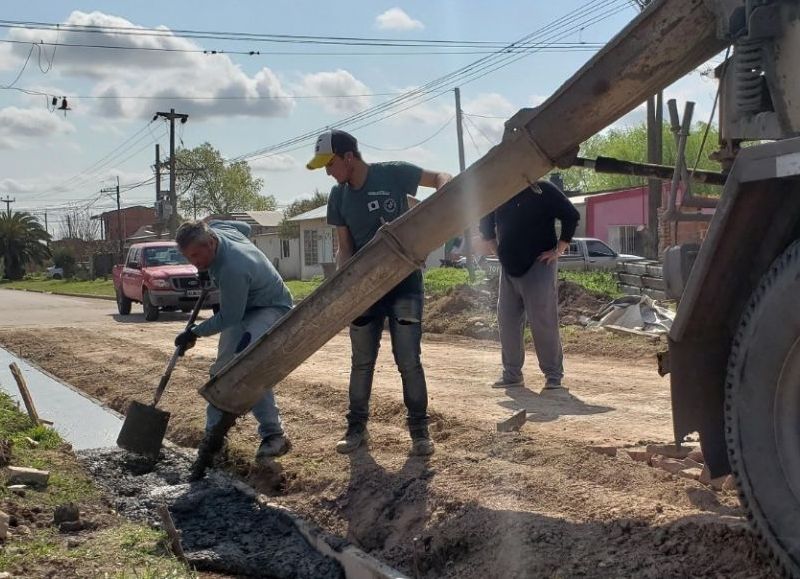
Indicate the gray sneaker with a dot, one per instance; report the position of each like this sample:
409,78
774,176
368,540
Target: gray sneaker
508,383
272,447
355,436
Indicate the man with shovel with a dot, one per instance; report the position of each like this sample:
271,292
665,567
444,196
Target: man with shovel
253,298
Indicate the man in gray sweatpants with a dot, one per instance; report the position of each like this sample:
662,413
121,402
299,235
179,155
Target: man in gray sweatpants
523,234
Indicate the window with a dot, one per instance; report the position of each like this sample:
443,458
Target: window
311,246
285,248
133,258
157,256
623,238
335,242
598,249
573,250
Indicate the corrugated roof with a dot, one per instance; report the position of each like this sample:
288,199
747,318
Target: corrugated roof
263,218
320,212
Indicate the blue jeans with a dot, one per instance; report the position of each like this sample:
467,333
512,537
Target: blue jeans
405,328
234,340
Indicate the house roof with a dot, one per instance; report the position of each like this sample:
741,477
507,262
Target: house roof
124,209
320,212
263,218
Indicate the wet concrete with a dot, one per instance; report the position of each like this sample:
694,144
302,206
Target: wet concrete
223,529
79,420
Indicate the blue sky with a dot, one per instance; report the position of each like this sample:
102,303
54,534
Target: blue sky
49,160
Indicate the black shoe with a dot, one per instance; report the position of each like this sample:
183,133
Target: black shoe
272,447
421,443
355,436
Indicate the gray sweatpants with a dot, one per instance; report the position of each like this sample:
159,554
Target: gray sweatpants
534,295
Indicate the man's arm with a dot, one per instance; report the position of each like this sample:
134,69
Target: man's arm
563,210
233,291
433,179
346,248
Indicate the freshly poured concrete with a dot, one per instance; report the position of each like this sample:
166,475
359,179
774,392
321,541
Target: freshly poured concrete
79,420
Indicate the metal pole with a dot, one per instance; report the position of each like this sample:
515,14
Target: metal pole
461,167
173,193
119,223
8,201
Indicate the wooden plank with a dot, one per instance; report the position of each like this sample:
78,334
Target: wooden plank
24,392
174,535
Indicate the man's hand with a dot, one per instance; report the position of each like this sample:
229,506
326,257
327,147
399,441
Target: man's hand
552,256
185,340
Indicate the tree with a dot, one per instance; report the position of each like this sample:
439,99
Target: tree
291,230
65,259
22,240
206,184
78,224
630,144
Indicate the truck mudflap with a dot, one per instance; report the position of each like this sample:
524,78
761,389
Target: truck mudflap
758,216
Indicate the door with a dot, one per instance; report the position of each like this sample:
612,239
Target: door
132,275
599,255
572,259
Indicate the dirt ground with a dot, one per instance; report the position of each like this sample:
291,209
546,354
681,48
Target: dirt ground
534,503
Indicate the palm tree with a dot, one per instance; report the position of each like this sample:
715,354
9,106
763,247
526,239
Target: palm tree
22,240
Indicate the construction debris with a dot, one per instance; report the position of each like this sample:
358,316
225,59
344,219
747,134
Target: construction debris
514,423
670,450
29,476
24,392
635,314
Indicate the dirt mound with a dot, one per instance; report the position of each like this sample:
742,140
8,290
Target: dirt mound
472,310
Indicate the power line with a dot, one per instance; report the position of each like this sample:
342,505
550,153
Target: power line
422,142
563,47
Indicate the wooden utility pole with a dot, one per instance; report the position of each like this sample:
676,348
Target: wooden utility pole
173,193
655,123
8,201
120,236
461,167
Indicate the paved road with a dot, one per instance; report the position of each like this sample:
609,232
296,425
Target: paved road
18,308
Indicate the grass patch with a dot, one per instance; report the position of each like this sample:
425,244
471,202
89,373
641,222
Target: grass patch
302,289
114,547
440,280
97,287
603,282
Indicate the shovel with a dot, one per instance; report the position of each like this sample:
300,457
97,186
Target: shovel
145,425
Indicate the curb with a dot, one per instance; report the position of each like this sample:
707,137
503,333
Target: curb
67,294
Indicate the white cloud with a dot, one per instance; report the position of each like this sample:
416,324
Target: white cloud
31,123
337,83
214,84
397,19
486,114
15,186
274,163
417,155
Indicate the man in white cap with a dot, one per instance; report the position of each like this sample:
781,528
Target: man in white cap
365,197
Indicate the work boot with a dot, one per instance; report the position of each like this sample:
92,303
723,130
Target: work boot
504,382
272,446
355,436
421,443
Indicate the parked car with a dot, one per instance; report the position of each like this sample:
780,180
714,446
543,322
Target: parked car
584,254
54,272
157,275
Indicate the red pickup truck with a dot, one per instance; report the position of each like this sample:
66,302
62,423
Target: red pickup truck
157,275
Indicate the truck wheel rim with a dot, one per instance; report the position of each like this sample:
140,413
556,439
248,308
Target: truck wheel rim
787,419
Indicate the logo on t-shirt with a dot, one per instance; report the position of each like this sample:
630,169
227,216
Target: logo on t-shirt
373,205
389,205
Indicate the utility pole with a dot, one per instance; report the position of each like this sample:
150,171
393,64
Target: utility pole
173,194
121,238
46,228
8,201
461,167
159,227
194,206
655,123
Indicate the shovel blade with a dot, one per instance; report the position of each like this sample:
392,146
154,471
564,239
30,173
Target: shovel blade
143,430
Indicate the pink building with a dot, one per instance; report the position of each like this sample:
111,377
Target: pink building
619,217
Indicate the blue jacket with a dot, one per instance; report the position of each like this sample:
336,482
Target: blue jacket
245,277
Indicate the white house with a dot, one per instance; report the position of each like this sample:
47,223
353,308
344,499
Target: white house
318,244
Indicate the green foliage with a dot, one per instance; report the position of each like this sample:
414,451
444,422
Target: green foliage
22,240
65,259
207,183
630,144
301,289
291,230
602,282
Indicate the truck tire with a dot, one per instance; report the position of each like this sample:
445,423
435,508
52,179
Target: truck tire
762,410
150,311
215,308
123,304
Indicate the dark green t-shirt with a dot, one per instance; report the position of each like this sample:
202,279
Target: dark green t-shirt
382,198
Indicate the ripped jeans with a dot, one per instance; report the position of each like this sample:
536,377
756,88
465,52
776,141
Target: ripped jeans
405,328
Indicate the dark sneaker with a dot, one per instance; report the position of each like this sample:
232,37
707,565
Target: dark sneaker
355,436
508,383
552,384
272,447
